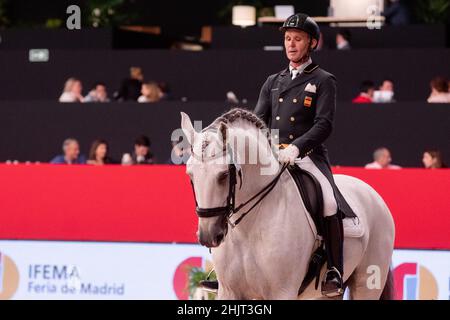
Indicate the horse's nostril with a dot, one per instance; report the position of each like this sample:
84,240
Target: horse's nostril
219,238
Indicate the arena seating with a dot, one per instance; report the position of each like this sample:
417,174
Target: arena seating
35,129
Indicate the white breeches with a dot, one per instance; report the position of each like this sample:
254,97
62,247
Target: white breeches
329,202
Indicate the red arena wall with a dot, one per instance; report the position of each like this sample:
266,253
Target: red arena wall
155,203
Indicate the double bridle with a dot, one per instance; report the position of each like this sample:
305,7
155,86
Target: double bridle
230,208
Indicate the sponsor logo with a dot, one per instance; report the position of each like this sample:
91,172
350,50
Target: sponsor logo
181,276
414,282
9,277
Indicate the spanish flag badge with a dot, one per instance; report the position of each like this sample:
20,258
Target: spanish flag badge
307,102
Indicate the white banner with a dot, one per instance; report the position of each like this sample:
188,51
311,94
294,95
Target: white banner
92,270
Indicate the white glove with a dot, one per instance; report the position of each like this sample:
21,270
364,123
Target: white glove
288,155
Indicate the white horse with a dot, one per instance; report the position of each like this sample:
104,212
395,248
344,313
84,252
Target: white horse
266,256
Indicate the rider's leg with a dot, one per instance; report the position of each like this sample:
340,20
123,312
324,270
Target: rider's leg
333,231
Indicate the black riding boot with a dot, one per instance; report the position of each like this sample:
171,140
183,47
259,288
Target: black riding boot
210,285
332,285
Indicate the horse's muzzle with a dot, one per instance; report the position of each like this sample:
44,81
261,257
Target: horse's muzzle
211,242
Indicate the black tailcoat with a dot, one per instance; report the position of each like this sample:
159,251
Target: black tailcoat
304,118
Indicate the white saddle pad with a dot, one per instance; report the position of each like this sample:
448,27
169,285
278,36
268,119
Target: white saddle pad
353,228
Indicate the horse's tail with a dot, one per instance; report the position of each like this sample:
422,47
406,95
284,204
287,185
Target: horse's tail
388,291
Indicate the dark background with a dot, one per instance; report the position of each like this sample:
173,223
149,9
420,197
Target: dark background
34,131
186,14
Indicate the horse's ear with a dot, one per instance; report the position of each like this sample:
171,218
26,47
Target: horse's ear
188,129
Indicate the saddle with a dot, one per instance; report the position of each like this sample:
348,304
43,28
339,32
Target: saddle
311,193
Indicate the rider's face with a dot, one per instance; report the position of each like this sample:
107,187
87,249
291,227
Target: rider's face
296,44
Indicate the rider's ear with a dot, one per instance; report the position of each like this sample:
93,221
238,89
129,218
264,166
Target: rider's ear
313,43
188,129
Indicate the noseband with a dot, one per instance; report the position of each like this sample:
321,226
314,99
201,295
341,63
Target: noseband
230,208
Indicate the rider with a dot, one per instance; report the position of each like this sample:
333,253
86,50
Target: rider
300,102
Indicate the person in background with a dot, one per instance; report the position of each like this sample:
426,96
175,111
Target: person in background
439,91
367,90
130,88
397,13
343,40
165,91
180,152
385,93
320,43
97,94
98,154
72,91
382,160
150,93
141,154
71,149
432,159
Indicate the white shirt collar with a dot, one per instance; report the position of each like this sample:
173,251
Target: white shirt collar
301,67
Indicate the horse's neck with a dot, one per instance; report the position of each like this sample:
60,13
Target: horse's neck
278,224
254,181
258,163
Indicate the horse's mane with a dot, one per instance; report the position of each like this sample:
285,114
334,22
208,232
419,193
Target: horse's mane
236,114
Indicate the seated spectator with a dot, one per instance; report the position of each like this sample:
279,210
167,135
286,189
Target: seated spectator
150,93
432,159
130,89
439,91
165,91
343,40
397,13
141,154
385,93
98,155
97,94
71,149
367,89
382,160
72,91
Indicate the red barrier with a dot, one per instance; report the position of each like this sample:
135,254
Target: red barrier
155,203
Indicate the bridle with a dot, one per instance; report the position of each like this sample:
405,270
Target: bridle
230,208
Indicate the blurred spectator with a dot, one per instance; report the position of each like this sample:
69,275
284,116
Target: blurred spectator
180,152
97,94
165,90
141,154
397,13
130,88
382,160
385,92
98,155
320,43
72,91
343,40
367,89
432,159
71,149
150,93
439,91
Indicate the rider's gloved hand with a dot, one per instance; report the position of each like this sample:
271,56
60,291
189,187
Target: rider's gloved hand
288,155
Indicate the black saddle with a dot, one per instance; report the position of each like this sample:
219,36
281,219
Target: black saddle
311,193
